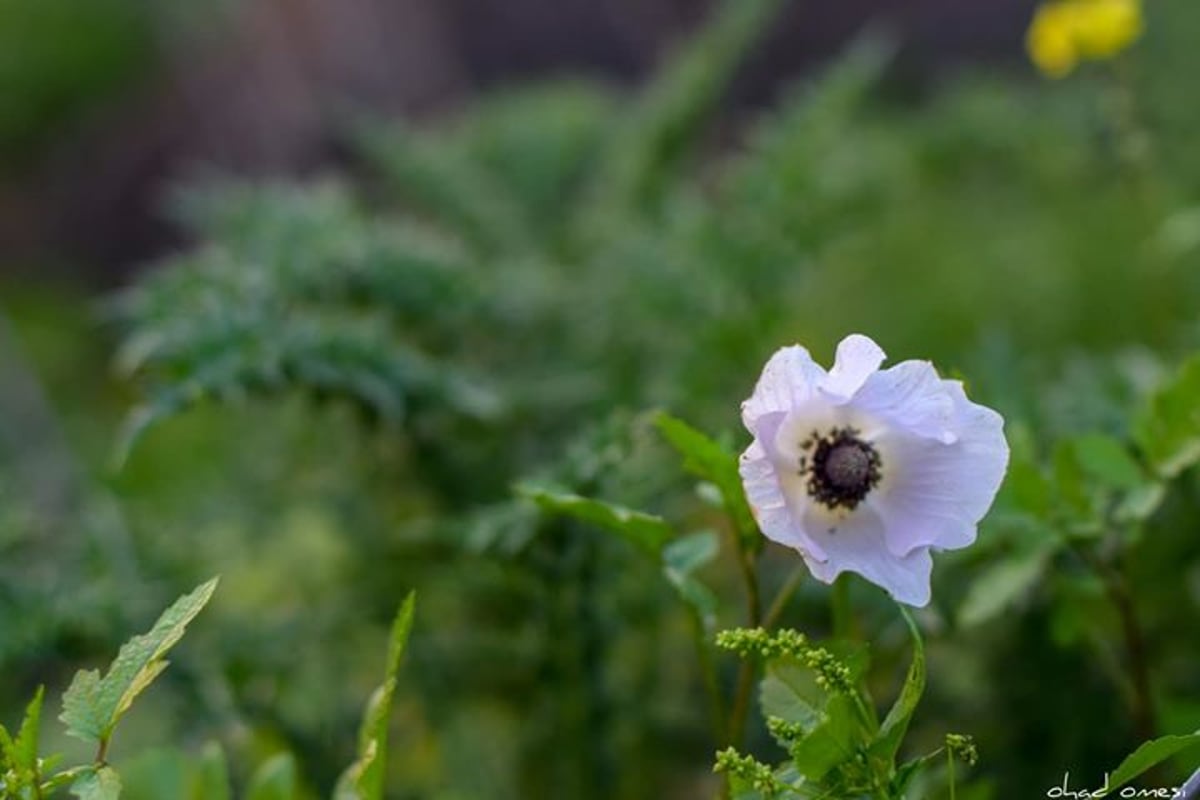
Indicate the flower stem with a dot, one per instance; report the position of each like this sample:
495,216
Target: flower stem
783,597
708,674
950,770
1145,721
747,669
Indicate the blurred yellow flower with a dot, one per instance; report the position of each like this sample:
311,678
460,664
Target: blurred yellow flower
1065,32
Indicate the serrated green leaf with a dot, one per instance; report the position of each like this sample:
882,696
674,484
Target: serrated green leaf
24,754
100,784
646,531
275,779
92,705
363,780
1167,427
895,724
1149,755
19,755
708,459
1001,585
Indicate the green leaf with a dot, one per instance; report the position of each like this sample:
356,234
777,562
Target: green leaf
647,531
100,784
833,728
275,779
363,780
1001,585
1167,427
895,725
684,556
92,705
1149,755
834,740
1141,503
211,781
790,692
1106,461
710,460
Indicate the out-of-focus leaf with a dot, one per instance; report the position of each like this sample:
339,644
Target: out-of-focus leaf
1106,461
1001,584
1141,503
646,531
275,779
1167,427
683,557
1149,755
643,153
92,705
211,781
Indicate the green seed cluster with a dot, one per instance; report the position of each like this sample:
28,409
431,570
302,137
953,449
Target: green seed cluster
962,747
760,776
748,642
832,674
785,732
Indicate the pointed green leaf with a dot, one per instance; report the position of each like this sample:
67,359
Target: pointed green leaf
99,784
92,705
895,725
363,780
710,460
275,779
1167,428
647,531
1149,755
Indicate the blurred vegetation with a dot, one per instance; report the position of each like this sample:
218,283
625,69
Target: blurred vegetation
62,59
339,384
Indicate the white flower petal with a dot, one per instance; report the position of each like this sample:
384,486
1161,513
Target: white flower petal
777,515
857,358
911,396
857,544
788,380
934,494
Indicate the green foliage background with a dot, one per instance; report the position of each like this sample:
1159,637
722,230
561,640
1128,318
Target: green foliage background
337,387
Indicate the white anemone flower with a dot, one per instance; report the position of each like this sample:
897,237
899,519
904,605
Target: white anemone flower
868,470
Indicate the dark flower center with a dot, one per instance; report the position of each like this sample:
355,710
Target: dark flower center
842,469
